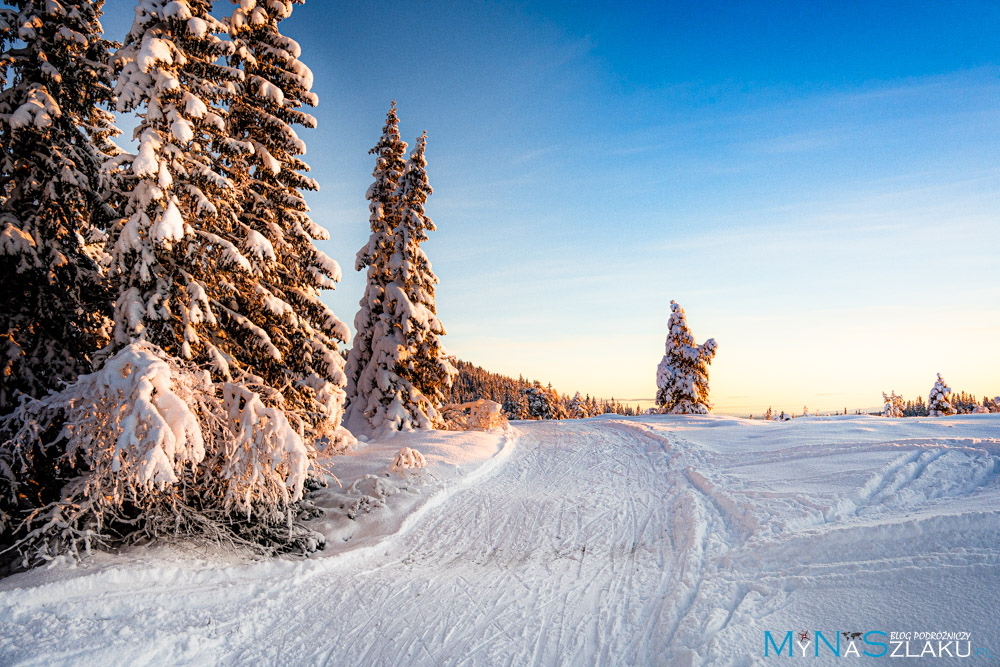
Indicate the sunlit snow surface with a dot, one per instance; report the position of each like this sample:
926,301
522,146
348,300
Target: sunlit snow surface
655,540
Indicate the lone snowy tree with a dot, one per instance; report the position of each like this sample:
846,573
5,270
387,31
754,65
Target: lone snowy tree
397,369
939,400
54,300
682,376
274,225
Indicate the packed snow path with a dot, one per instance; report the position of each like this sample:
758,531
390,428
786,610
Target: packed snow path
602,541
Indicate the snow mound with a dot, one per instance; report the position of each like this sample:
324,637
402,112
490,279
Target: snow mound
408,458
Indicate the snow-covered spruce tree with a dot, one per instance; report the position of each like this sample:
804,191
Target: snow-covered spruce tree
410,296
543,402
682,376
577,407
893,406
397,370
177,255
939,400
54,135
181,259
390,152
223,460
274,225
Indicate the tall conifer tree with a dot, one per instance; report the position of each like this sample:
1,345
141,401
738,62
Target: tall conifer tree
274,223
181,254
390,152
398,371
424,364
54,135
178,255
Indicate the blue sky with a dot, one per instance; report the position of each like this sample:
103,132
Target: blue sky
816,183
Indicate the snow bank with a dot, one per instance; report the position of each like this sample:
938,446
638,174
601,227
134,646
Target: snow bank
374,500
120,603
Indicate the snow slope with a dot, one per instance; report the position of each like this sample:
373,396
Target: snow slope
655,540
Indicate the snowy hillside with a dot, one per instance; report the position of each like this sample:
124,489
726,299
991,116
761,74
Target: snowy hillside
655,540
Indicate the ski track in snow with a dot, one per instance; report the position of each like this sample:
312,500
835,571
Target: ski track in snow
660,540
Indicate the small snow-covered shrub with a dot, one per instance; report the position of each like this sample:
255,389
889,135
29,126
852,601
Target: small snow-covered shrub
145,448
267,461
408,458
478,415
487,416
893,405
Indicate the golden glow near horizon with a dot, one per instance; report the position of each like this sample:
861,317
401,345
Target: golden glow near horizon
826,360
740,387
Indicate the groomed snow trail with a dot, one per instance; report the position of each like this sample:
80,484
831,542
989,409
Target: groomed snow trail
604,541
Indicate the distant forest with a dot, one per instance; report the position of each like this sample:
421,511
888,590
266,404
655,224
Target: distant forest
962,402
529,399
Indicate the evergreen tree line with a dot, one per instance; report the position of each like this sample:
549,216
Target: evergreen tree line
167,365
941,402
529,399
962,402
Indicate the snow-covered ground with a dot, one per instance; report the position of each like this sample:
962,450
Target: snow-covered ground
654,540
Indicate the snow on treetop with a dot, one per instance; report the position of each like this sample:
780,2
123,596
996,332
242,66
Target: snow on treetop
180,128
146,162
28,28
14,242
197,27
328,265
68,35
269,91
194,106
